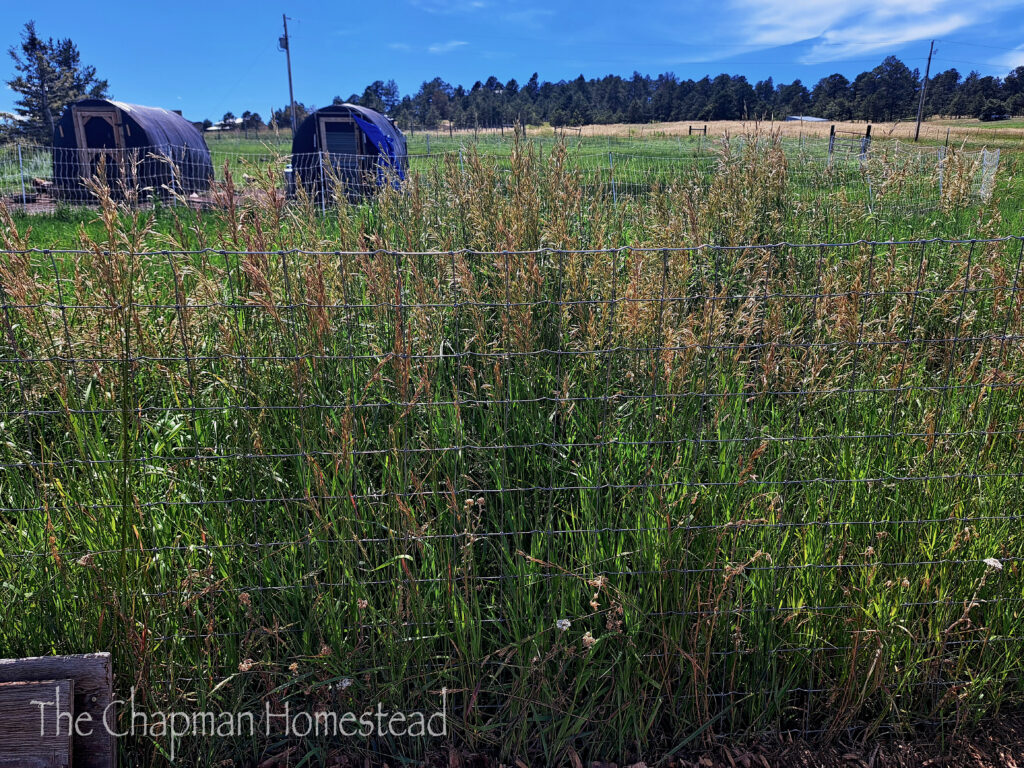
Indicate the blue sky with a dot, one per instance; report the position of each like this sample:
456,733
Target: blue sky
210,57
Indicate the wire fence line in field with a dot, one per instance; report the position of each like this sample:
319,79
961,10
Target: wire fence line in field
779,483
892,177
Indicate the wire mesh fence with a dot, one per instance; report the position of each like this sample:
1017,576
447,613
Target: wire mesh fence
741,489
39,178
43,177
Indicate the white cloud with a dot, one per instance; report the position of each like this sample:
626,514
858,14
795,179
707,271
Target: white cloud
1010,59
531,17
782,22
448,47
863,38
845,30
435,48
446,7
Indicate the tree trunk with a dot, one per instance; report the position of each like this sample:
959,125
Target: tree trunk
47,112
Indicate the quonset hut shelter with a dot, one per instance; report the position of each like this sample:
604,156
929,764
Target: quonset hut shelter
143,149
344,143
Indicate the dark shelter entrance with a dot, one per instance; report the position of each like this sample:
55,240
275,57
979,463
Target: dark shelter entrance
99,133
347,148
144,151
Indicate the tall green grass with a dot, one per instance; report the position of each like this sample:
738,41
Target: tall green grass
264,454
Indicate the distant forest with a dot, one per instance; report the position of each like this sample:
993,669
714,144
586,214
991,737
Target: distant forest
886,93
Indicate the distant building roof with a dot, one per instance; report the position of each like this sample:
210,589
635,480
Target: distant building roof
806,119
226,125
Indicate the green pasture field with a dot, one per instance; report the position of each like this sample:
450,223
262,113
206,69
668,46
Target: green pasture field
523,437
900,199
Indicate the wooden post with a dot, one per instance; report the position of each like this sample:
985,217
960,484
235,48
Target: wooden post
286,44
611,168
32,731
924,87
174,196
90,686
323,186
942,157
21,169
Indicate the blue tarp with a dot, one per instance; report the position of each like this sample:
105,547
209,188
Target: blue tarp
384,152
385,148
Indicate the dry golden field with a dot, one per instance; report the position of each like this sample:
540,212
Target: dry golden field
1008,133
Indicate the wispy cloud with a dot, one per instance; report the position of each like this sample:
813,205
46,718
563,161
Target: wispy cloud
844,30
869,37
531,17
447,7
435,48
771,23
448,47
1010,59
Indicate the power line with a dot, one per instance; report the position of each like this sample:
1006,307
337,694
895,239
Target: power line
982,45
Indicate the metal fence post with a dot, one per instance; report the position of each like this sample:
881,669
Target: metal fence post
611,167
323,186
21,170
865,144
831,142
989,166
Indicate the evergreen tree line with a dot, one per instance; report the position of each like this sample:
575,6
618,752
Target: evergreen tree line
886,93
48,74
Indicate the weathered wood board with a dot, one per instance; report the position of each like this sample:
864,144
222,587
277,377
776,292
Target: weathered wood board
32,735
92,693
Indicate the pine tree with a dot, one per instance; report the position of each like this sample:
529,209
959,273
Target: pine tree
49,76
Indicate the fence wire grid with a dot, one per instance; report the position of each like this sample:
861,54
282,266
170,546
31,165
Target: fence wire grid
890,177
779,485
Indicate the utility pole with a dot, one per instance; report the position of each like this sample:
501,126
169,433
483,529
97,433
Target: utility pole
283,42
924,86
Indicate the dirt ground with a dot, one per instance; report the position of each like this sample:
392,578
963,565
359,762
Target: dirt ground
995,744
